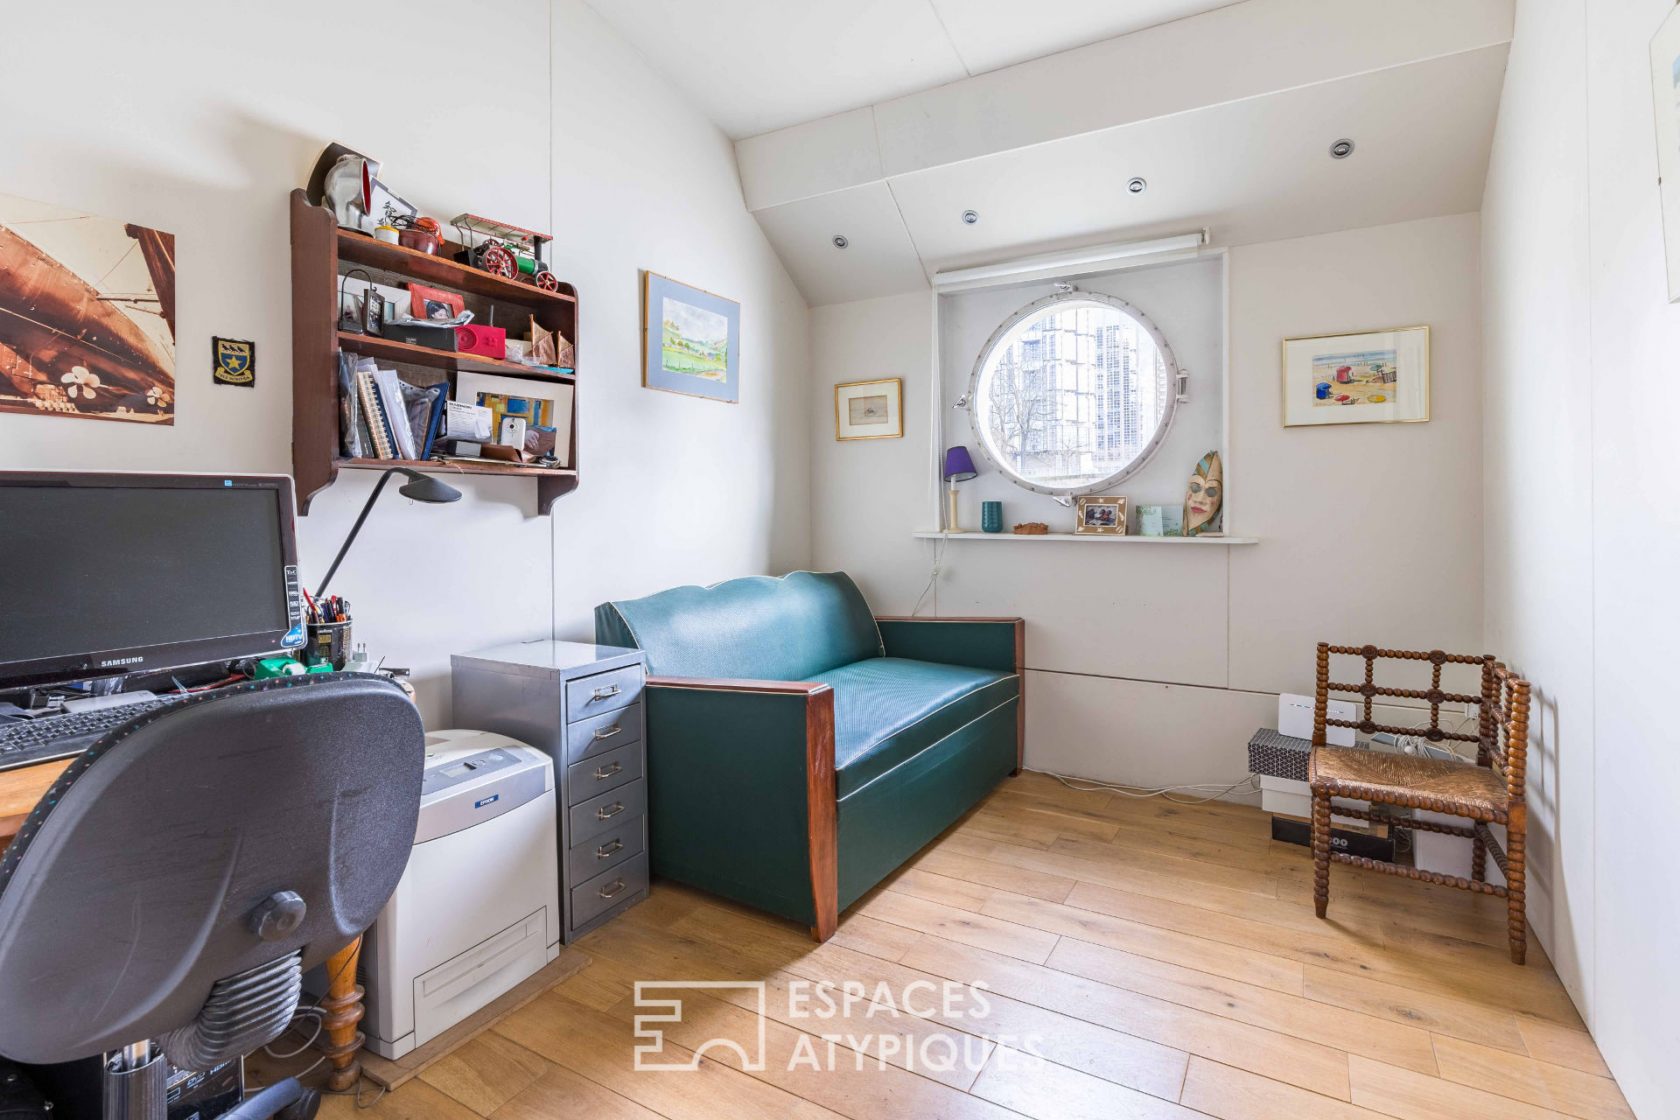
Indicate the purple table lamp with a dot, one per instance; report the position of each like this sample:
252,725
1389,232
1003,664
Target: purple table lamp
959,467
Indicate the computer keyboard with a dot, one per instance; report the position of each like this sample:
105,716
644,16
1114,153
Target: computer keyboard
50,737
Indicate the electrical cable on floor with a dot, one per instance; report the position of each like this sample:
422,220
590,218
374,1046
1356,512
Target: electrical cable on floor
1216,791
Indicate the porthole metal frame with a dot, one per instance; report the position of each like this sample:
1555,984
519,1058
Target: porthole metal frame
1176,379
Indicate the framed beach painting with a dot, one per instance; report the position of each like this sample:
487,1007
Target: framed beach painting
1665,96
691,340
1374,377
869,409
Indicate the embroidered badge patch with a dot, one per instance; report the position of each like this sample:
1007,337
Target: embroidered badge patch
236,361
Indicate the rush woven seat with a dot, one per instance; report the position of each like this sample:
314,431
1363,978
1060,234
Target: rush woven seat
1459,788
1486,792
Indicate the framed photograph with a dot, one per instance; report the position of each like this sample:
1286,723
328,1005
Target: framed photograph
1665,96
1100,513
869,409
544,406
691,340
434,303
1374,377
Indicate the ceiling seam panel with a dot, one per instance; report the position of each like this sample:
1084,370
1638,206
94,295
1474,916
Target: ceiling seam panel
909,234
956,49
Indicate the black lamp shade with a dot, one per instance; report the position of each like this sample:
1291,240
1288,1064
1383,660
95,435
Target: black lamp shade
425,488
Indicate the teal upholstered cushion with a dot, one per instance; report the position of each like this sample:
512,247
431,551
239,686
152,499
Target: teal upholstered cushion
760,628
888,709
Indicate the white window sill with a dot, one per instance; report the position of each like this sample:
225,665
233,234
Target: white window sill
1089,538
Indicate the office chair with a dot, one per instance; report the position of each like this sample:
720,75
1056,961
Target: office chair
161,904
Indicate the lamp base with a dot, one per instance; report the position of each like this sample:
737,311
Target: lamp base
951,509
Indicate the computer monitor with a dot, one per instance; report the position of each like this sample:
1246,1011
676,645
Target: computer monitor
102,574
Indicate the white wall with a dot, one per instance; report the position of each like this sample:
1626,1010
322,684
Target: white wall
1538,452
1153,663
198,117
1581,341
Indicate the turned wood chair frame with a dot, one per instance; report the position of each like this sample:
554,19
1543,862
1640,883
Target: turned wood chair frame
1501,740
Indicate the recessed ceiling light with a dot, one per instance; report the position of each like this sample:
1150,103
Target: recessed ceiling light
970,217
840,241
1341,149
1137,185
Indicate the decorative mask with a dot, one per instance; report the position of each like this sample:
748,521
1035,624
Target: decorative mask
1205,497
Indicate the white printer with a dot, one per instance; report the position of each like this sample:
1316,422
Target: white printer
478,909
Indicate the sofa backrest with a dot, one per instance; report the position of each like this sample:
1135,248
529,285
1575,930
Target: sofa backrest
760,627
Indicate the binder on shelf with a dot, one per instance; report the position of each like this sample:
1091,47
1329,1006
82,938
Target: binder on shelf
379,425
435,426
396,413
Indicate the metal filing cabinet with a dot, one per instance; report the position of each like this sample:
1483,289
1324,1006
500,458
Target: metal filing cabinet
582,704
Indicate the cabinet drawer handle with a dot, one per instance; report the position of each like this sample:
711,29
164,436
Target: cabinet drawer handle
615,729
608,812
606,850
608,891
602,773
606,693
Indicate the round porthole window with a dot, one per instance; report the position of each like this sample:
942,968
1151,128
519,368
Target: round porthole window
1073,393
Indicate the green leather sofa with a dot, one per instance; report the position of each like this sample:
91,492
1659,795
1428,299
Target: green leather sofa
800,749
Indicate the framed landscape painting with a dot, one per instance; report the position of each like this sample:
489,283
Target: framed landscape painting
691,340
1377,377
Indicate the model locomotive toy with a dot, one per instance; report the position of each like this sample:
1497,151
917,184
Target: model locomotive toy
504,250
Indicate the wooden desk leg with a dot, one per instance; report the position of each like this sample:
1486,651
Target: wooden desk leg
343,1010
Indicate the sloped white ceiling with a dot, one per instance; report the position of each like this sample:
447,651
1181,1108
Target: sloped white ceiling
1229,115
757,65
990,34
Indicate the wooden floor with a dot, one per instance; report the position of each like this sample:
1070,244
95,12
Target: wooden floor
1163,961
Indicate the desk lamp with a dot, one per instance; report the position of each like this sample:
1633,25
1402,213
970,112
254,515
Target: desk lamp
959,467
420,487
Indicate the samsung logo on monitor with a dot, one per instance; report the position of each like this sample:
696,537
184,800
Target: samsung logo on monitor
115,661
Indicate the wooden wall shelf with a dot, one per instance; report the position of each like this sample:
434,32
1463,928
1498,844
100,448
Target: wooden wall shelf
359,248
393,351
321,254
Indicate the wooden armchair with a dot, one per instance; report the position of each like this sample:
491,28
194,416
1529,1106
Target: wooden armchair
1488,792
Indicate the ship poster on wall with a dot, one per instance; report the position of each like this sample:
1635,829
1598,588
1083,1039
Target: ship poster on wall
87,315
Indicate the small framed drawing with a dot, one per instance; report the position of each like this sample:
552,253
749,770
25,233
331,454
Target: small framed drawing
1100,513
1665,95
691,340
869,409
1375,377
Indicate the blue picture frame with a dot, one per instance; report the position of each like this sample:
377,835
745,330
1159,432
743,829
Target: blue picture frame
691,340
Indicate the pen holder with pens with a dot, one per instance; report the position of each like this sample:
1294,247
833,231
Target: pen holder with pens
329,643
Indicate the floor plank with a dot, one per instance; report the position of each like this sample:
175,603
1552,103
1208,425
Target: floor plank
1233,1094
1541,1083
1051,1092
560,1092
1412,1096
485,1073
1028,943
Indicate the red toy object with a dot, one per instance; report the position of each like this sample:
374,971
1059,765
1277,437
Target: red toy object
487,342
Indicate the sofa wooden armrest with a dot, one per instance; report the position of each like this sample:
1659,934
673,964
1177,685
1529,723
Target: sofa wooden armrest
697,739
